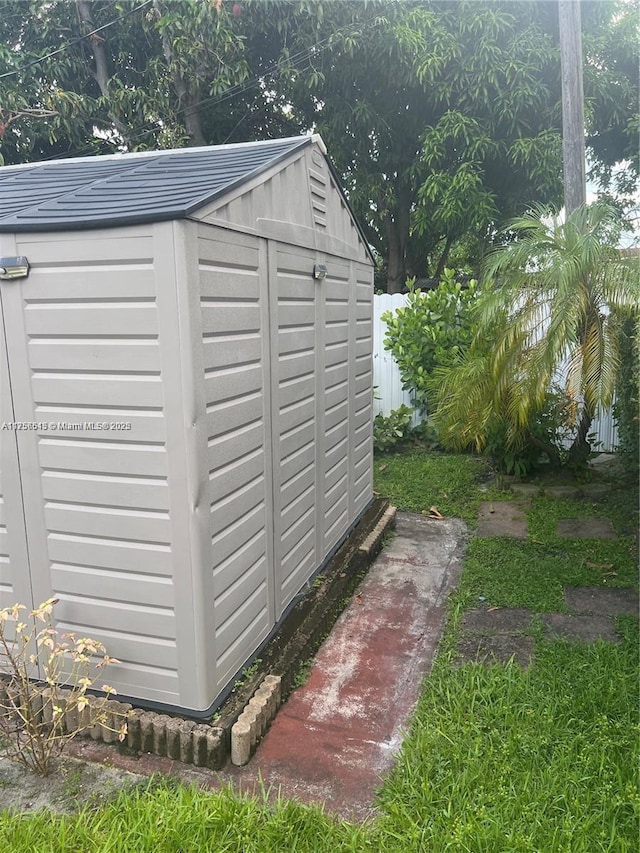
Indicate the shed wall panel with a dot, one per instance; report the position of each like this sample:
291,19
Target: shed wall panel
83,345
233,299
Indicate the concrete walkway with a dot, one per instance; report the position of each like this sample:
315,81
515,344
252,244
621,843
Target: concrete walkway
337,736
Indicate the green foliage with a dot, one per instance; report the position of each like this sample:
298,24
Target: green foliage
389,430
556,292
627,406
432,330
541,441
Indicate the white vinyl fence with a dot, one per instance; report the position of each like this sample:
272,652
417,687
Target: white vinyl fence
387,385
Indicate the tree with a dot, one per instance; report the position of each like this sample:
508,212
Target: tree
560,293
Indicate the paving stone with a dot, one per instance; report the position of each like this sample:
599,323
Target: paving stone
497,649
499,620
595,491
527,490
586,528
562,491
581,628
601,600
502,518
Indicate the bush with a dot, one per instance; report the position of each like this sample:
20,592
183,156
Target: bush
35,715
626,408
431,331
389,430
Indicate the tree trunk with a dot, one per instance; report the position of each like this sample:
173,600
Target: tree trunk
580,449
444,257
396,226
187,99
102,74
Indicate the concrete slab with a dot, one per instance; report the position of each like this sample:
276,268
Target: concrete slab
337,735
586,528
502,518
499,648
602,601
582,628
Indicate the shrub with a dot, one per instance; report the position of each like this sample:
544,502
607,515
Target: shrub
35,715
389,430
626,409
431,331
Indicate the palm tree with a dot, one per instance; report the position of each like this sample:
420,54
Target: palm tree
555,295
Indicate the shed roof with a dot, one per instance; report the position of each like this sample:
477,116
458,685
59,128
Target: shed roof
123,189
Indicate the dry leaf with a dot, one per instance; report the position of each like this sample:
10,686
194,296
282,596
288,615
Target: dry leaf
435,514
491,609
598,565
382,467
358,599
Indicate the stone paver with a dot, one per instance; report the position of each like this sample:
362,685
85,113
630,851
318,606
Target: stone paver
497,649
595,491
586,528
583,628
601,601
502,518
526,490
498,620
562,491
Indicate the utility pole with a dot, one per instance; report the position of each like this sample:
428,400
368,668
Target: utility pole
575,184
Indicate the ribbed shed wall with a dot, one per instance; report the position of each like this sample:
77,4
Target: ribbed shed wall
288,412
83,350
233,300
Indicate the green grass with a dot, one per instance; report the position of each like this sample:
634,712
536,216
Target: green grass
416,480
498,760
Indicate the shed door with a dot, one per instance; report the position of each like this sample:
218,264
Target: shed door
295,321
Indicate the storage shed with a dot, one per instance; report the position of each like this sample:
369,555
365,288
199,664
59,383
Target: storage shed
186,399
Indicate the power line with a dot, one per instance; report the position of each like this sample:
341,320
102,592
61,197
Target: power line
72,43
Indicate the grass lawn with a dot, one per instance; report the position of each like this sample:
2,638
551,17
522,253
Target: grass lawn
497,759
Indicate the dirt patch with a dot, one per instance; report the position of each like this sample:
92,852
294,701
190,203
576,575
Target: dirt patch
72,785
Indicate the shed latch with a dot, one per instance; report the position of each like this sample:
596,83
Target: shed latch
14,267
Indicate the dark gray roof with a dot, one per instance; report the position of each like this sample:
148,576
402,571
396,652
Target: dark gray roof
101,191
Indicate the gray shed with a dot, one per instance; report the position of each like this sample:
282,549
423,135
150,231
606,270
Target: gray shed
185,400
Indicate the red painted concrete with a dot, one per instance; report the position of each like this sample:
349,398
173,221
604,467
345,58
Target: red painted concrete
337,736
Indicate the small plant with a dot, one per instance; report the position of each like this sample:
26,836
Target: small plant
39,716
389,430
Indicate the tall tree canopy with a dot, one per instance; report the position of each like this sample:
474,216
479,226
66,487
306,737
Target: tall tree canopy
443,117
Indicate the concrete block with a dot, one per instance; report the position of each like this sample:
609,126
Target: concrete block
159,726
240,743
260,704
146,731
134,735
250,715
172,730
200,745
274,682
97,704
186,741
216,752
267,694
